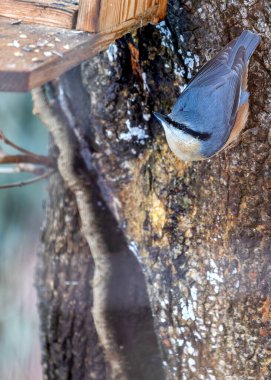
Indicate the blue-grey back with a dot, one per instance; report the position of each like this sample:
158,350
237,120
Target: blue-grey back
211,100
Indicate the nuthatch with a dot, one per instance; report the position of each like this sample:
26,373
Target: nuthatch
213,108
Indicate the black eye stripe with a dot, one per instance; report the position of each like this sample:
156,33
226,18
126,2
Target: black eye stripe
182,127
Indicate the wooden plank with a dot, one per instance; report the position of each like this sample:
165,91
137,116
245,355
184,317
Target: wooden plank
124,10
88,15
162,10
46,12
31,55
114,12
140,6
110,14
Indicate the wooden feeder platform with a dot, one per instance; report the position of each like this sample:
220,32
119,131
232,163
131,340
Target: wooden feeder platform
40,40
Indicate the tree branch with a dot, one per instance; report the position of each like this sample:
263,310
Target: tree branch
27,182
84,193
28,155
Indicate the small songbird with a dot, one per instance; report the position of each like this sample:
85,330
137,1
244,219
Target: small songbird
213,108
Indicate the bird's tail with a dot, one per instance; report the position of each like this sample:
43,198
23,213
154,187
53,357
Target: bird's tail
249,41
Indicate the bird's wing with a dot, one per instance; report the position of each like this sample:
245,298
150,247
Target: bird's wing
227,90
232,90
226,57
218,88
220,60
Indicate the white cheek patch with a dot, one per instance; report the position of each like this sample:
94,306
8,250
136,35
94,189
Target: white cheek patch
181,136
164,124
184,146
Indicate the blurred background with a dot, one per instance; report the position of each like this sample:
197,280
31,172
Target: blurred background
21,215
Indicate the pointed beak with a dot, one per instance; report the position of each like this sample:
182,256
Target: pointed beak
160,118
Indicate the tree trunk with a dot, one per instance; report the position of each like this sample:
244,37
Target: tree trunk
151,268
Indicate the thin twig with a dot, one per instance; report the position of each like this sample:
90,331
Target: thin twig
25,159
27,182
46,160
21,168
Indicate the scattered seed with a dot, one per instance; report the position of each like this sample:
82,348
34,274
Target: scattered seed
47,54
27,48
23,36
42,43
16,44
11,65
18,54
36,59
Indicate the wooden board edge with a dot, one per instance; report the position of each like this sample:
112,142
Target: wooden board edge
95,43
98,42
15,82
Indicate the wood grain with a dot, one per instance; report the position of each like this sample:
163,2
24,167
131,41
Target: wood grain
104,15
46,12
31,55
162,10
88,15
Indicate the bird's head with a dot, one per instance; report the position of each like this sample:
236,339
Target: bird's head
184,141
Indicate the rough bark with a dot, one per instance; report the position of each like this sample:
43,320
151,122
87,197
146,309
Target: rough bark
199,232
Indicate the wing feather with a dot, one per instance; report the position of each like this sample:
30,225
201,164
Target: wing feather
216,64
234,90
226,57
